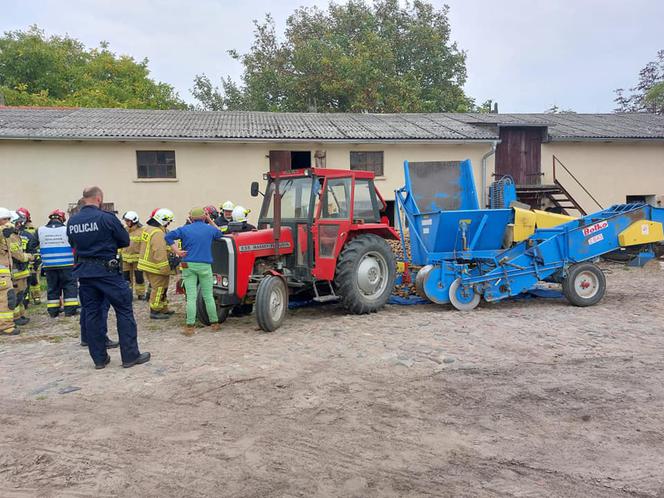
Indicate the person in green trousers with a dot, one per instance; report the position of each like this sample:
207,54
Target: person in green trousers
196,254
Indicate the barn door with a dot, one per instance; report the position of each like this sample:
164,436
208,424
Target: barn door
280,160
519,154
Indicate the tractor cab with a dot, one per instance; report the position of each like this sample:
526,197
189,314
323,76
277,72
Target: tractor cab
321,207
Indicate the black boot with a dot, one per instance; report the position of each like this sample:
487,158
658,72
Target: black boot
99,366
22,320
142,358
156,315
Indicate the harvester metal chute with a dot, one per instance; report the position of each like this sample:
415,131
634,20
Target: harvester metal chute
467,253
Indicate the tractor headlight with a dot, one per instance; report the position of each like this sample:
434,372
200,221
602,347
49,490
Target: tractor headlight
224,281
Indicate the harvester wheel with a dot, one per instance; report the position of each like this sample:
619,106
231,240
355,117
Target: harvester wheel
584,285
421,279
201,310
365,274
463,298
271,303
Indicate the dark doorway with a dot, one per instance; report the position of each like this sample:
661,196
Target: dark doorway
284,160
519,154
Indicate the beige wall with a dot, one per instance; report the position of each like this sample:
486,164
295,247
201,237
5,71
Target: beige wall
47,175
610,171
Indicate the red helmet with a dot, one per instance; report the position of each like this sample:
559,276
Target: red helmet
211,211
57,213
154,211
25,213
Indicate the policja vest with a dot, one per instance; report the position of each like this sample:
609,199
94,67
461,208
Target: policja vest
54,246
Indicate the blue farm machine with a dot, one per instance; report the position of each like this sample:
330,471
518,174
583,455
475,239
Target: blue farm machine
467,253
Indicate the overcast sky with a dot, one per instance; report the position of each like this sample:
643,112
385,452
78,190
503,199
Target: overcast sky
526,54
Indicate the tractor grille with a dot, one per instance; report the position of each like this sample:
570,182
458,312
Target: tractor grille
220,256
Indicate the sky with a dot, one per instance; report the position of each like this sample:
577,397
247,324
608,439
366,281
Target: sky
527,55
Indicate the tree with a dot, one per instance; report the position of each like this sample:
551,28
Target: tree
357,57
555,109
648,94
36,70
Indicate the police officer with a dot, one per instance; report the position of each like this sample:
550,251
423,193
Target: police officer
96,237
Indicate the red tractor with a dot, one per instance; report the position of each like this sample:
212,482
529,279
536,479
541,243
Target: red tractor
321,235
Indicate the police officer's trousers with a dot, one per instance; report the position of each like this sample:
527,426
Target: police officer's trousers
93,291
105,306
61,285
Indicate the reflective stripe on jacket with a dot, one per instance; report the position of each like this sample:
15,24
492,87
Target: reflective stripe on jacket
130,254
153,255
54,247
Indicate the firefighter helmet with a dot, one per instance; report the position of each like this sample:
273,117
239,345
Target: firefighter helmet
25,213
239,214
227,206
211,211
5,214
131,216
57,214
163,216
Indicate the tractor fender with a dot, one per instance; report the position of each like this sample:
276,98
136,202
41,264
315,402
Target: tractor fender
385,232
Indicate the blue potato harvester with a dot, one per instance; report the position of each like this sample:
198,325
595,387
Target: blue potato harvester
467,253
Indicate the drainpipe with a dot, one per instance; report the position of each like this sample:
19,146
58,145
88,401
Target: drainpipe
484,159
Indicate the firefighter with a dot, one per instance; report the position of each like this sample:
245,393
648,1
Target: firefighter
130,254
35,266
30,245
226,215
7,291
58,260
240,223
20,269
156,263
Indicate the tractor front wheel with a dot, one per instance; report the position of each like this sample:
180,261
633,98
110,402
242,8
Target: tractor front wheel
584,285
271,303
365,274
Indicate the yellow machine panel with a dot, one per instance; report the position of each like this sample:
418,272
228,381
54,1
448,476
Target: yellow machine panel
550,220
641,232
524,224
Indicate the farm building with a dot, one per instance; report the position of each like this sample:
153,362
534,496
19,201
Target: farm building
145,159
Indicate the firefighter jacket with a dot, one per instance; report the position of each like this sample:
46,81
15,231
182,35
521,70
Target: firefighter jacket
54,247
6,262
21,259
29,240
130,254
153,251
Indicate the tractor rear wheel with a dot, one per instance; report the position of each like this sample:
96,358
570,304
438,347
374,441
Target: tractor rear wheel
201,310
271,303
584,285
365,274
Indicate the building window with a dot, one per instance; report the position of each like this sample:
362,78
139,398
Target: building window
155,163
367,161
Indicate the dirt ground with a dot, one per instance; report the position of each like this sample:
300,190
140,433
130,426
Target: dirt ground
523,398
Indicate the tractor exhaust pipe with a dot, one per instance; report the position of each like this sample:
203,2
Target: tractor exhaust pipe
276,229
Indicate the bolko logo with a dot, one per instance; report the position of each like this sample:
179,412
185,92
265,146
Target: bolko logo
595,228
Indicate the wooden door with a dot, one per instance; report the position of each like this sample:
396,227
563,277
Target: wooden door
280,160
519,154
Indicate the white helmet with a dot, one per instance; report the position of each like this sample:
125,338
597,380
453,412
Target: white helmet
131,216
239,214
163,216
227,206
5,214
14,216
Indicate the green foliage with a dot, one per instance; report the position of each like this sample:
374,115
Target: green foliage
648,94
357,57
36,70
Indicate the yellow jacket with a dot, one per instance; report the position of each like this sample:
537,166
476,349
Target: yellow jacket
5,256
20,268
130,254
153,251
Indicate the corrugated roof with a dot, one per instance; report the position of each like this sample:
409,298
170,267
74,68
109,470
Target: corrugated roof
139,124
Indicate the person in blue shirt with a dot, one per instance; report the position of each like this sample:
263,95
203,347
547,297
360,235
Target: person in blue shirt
95,236
196,254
